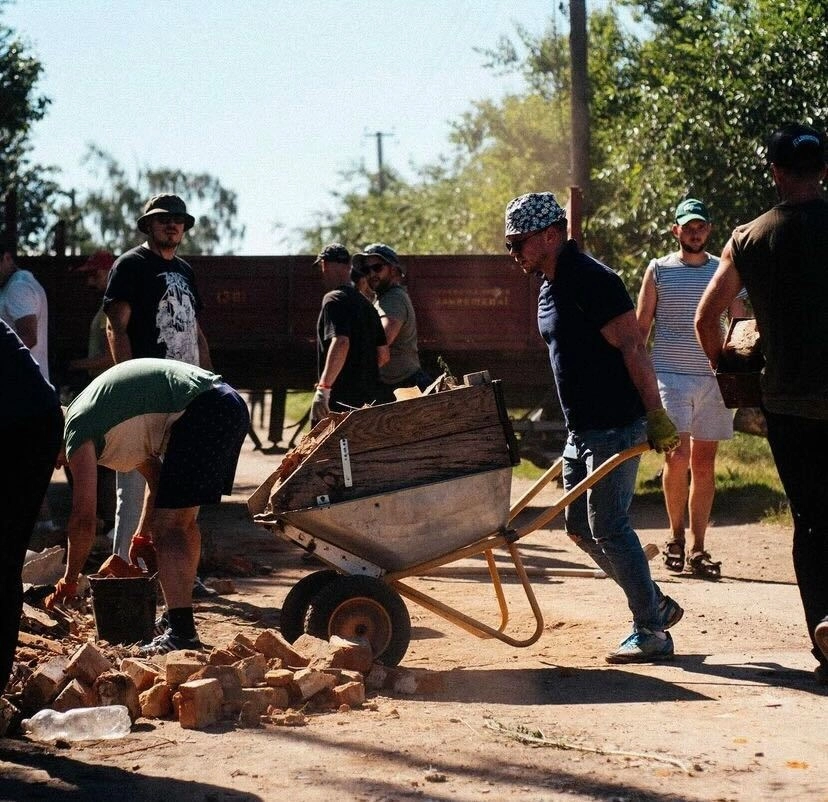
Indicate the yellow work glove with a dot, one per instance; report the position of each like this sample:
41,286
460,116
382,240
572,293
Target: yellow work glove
661,431
321,405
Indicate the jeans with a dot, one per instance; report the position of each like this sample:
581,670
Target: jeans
130,488
598,521
800,450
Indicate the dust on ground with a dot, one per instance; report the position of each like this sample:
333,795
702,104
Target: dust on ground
736,716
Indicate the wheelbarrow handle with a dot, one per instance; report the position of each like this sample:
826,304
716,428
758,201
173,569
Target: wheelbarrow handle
585,484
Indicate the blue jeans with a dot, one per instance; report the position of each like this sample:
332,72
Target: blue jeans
598,521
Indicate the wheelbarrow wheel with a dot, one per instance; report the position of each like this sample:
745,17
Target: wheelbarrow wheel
295,605
361,607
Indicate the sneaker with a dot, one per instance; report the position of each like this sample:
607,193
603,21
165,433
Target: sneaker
643,646
821,636
162,623
169,643
671,612
201,591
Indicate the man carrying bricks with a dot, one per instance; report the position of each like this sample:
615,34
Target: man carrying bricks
182,427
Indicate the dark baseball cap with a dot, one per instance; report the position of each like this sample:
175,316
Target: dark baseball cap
691,209
335,252
164,204
797,147
383,251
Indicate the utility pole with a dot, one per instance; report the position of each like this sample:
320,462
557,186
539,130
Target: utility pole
380,172
579,106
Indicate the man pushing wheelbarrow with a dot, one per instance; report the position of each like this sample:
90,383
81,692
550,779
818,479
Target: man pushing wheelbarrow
610,401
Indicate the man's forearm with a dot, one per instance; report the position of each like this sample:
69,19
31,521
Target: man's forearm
335,360
80,536
119,344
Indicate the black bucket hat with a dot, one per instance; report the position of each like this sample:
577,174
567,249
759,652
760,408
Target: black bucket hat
164,204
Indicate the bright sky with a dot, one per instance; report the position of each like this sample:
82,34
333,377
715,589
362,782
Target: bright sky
275,98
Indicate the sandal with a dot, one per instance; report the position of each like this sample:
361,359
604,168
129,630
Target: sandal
674,556
702,566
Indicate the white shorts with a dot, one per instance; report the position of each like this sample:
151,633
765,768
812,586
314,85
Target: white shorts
695,405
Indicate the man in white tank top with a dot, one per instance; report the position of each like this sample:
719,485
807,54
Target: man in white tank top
670,292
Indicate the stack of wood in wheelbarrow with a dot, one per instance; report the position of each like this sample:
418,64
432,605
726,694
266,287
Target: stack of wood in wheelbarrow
390,447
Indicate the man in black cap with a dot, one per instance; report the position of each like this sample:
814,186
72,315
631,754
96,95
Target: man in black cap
152,305
609,396
781,258
351,343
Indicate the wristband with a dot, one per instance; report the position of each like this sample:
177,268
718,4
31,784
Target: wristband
320,386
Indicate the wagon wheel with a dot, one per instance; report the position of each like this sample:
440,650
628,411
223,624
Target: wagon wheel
361,607
295,605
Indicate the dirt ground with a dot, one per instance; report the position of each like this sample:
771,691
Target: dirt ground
736,716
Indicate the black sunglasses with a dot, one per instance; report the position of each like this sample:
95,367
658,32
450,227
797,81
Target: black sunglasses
179,219
376,267
516,245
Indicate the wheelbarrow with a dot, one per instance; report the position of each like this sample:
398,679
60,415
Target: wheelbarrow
373,531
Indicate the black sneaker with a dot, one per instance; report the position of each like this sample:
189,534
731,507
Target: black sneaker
201,591
170,643
162,623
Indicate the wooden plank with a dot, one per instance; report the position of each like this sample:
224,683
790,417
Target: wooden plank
404,423
387,469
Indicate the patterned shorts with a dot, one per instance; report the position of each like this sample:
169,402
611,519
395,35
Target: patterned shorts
203,450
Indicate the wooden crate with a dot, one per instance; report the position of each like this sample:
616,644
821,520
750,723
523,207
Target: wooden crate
394,446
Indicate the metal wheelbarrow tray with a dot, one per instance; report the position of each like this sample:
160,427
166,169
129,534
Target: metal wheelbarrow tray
393,491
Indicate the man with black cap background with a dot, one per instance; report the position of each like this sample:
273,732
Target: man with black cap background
385,273
350,341
670,292
152,305
781,258
609,396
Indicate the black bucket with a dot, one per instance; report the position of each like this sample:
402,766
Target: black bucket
124,609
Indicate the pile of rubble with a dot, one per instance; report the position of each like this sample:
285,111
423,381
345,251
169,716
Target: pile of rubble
251,682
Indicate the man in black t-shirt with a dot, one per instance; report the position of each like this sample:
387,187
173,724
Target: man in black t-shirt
151,301
351,343
152,305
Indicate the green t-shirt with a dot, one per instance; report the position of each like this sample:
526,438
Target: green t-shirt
128,410
405,360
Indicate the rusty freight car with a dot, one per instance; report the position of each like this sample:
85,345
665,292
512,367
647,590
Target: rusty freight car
476,312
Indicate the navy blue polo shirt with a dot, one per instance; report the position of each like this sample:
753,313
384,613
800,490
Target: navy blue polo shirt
593,384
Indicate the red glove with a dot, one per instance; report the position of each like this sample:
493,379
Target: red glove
142,547
64,589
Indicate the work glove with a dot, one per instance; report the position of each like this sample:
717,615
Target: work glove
141,547
661,431
64,589
321,406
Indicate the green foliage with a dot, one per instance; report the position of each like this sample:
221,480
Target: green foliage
686,109
110,213
20,108
499,151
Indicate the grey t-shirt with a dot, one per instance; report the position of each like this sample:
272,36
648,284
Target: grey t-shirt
395,303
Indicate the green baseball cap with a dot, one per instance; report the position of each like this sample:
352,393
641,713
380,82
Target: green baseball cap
691,209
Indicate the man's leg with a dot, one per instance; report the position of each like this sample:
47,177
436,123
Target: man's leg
31,452
702,488
177,541
800,450
676,489
130,488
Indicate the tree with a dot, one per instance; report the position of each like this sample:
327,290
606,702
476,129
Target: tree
109,214
20,108
456,206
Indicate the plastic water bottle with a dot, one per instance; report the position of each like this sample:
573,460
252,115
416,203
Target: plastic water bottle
80,724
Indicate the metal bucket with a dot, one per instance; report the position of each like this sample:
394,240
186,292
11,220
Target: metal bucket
124,608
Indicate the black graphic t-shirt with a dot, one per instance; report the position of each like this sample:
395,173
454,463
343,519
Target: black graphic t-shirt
164,304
